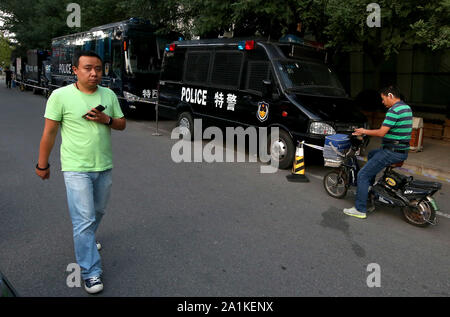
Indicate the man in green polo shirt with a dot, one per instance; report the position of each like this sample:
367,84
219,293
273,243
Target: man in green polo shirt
396,133
86,156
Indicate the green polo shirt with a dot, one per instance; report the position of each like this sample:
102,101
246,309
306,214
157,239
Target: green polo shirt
399,119
86,145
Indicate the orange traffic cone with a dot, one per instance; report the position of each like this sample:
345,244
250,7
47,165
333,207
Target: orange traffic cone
298,169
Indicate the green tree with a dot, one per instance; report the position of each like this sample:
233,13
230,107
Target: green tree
168,15
244,17
403,23
5,51
341,25
35,23
434,30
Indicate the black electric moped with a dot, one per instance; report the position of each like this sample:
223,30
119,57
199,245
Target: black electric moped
414,197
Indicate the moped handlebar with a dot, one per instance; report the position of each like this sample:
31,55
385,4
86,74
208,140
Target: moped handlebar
357,142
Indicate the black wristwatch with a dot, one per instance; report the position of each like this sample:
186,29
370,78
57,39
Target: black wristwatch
110,122
43,169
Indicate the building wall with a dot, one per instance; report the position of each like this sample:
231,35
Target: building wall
422,76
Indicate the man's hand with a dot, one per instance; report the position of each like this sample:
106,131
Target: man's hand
359,131
45,147
97,116
43,174
381,132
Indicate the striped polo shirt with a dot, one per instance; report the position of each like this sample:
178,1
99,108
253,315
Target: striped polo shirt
399,119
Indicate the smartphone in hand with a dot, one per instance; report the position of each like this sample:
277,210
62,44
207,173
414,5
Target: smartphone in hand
99,108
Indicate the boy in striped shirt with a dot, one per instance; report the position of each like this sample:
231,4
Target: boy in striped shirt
396,133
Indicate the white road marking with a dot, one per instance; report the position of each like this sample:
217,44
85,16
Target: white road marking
314,176
443,214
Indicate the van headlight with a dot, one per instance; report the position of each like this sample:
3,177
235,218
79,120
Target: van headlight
321,128
130,97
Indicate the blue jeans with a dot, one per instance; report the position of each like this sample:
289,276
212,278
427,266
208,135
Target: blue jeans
87,196
377,160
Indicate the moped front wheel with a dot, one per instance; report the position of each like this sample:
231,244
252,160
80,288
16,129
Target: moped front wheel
335,183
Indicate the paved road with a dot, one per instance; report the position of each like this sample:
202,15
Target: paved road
199,229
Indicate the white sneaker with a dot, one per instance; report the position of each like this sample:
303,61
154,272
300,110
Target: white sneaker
93,285
355,213
99,246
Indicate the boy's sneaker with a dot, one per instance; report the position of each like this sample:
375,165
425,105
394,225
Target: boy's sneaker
355,213
99,246
93,285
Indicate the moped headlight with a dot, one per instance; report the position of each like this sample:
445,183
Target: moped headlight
321,128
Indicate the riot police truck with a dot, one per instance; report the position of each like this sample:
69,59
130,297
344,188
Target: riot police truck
131,52
255,82
36,74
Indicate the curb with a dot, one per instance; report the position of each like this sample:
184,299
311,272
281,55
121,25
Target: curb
427,172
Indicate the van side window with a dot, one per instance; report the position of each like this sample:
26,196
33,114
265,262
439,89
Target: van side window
227,69
257,72
116,59
172,66
197,67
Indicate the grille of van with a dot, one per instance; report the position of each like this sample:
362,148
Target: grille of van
347,127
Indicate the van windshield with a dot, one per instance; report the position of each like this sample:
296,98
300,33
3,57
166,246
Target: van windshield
142,55
311,78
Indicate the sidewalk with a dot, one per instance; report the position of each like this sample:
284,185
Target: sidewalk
433,161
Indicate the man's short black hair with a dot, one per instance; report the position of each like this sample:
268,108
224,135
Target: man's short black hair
391,89
76,59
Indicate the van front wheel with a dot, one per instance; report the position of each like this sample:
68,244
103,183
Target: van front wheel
282,150
186,121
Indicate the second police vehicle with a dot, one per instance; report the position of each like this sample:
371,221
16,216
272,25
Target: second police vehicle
131,52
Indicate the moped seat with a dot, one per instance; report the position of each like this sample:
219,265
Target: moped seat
399,164
425,184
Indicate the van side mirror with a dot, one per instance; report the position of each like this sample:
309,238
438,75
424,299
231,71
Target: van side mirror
267,89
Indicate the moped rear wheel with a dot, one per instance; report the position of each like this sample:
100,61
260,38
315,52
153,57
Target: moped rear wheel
335,183
422,215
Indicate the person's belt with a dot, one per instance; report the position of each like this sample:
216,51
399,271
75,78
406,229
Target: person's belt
394,150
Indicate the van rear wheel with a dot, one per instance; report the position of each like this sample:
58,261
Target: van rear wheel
282,150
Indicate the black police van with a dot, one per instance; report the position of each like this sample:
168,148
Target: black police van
257,83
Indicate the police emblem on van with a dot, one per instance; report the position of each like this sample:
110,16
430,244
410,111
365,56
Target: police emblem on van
263,111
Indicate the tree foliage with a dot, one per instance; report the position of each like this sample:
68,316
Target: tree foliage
339,24
434,31
35,22
5,51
